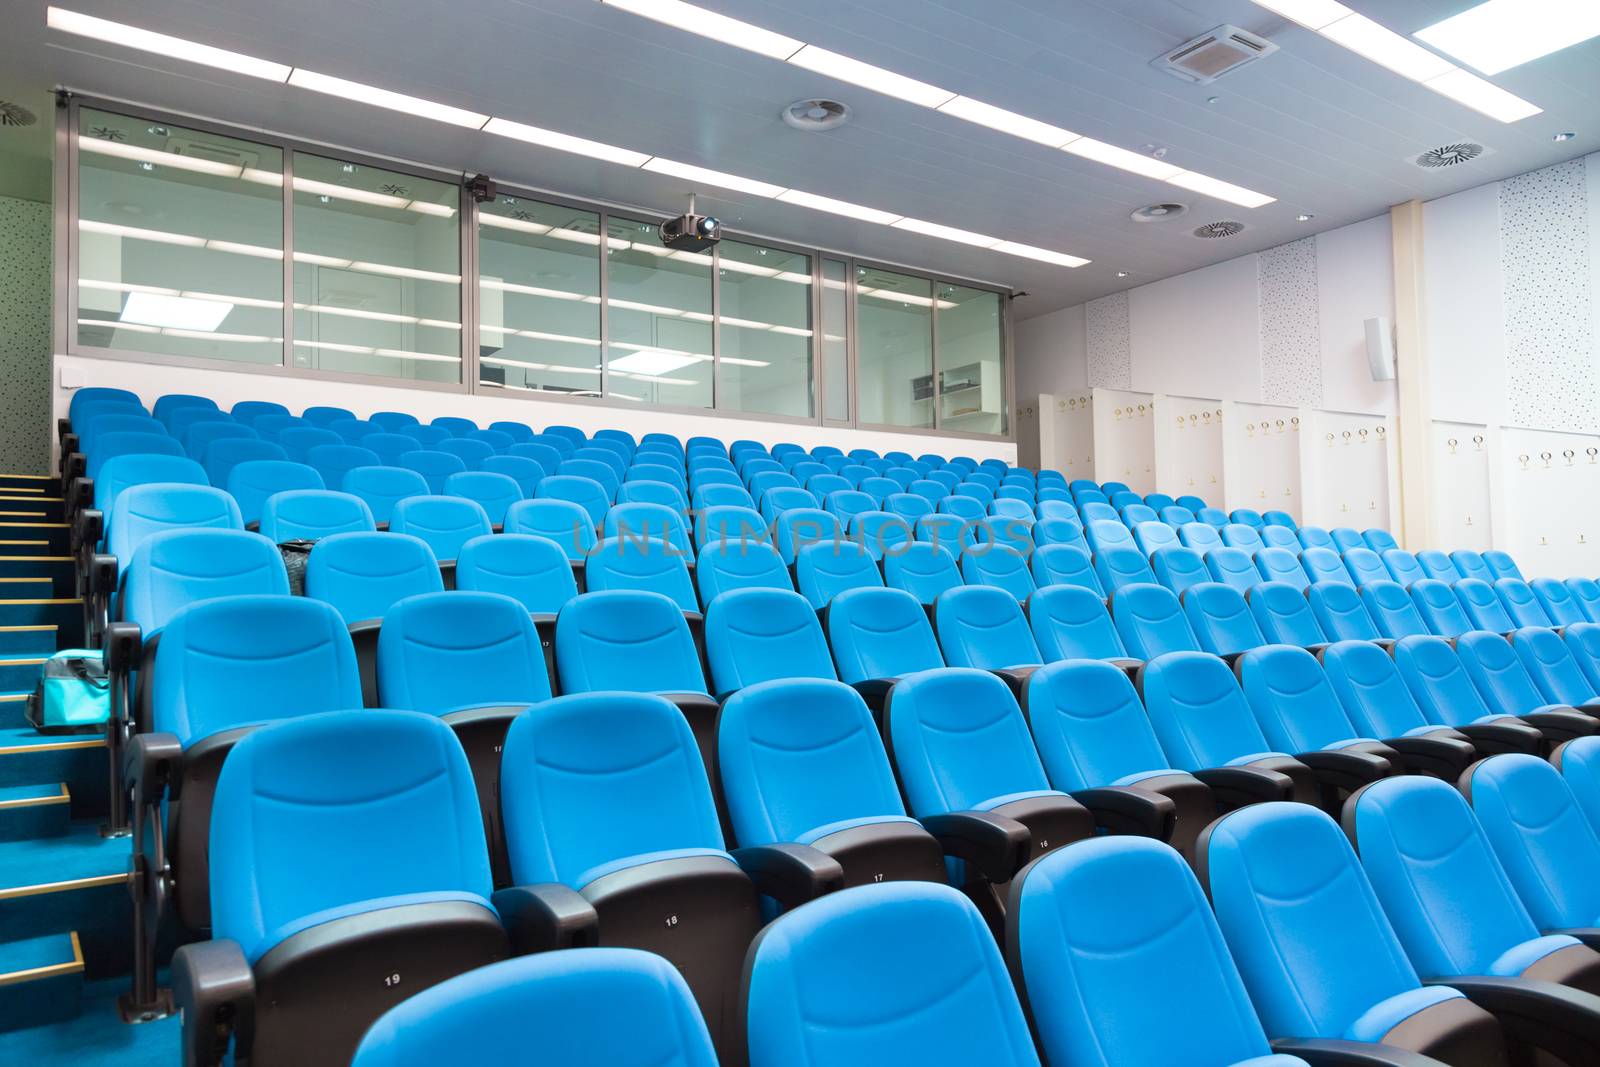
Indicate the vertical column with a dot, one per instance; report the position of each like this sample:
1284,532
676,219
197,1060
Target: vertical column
1413,421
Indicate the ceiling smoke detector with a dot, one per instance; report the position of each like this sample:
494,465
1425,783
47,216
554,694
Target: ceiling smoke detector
1159,212
814,116
1213,230
16,115
1449,155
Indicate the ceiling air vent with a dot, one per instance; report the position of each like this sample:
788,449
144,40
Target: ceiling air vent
16,115
1211,55
1449,155
1159,213
814,116
1213,230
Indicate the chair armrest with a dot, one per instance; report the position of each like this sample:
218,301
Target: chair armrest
1346,768
1237,786
73,466
996,845
1439,755
1589,935
546,917
1130,810
1506,735
790,874
215,993
88,527
150,764
1559,726
124,644
1556,1018
1130,667
1329,1052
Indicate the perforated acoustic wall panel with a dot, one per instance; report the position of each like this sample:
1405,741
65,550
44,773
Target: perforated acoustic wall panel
1291,347
24,336
1110,358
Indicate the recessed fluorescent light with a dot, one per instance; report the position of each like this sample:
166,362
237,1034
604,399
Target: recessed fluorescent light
1502,34
125,287
837,207
1043,255
705,175
320,261
1121,158
161,44
1465,87
500,222
334,346
240,301
654,309
964,107
1233,194
237,248
357,313
344,192
527,290
683,16
1312,14
384,98
404,272
165,159
417,357
562,142
177,312
734,361
651,361
947,233
868,76
566,339
164,237
792,331
1386,48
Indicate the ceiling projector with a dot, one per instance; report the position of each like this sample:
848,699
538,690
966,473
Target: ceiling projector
691,232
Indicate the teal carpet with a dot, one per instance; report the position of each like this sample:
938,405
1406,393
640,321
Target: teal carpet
96,1038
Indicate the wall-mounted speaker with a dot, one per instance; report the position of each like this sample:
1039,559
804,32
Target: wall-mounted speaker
1380,349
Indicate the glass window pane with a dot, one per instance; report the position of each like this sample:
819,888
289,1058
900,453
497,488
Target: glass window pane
765,319
894,353
835,347
180,241
539,296
972,397
377,271
659,317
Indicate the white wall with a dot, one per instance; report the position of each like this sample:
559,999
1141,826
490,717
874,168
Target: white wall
229,387
1051,353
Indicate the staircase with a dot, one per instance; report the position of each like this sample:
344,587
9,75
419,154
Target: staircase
64,904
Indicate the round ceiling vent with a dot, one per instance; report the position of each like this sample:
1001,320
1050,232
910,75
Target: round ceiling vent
814,116
1449,155
1159,213
16,115
1212,230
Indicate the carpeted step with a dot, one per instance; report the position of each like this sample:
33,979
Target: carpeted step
38,538
77,881
28,757
19,674
29,482
41,980
39,640
34,811
32,507
37,577
66,613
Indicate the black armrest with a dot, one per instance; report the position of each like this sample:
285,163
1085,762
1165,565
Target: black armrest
1589,935
64,434
1346,768
546,917
1504,735
1556,1018
790,874
1130,667
73,466
1559,726
1234,787
1330,1052
124,645
996,845
88,527
215,993
79,495
149,763
1440,755
1130,810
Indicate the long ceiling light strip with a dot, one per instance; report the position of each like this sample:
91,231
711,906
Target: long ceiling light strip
721,28
1383,46
176,48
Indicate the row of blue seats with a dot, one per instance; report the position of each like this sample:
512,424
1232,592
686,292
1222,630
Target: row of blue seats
1495,928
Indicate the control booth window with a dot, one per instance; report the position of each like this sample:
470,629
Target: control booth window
764,315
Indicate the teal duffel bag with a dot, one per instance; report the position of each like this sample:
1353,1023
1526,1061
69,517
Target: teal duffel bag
73,695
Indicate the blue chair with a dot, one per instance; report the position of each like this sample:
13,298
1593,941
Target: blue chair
1239,535
1560,606
1093,917
722,567
1202,537
1521,603
171,569
1325,565
141,511
1340,614
1320,964
802,763
383,487
247,411
730,524
434,466
643,523
1392,610
201,434
822,571
1281,565
389,446
1379,704
433,905
129,443
123,472
527,473
857,950
799,527
878,636
444,522
585,492
1438,607
758,635
392,419
1121,567
312,514
1299,713
642,492
1447,694
1586,593
1471,564
166,406
250,483
494,493
1220,618
1066,565
1365,566
363,574
562,521
1179,567
1436,564
1501,565
1150,621
924,569
531,569
325,415
983,627
1070,622
546,456
470,452
1344,538
619,563
1403,566
298,441
1279,536
1482,607
1285,616
1551,664
226,453
604,793
998,566
335,461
